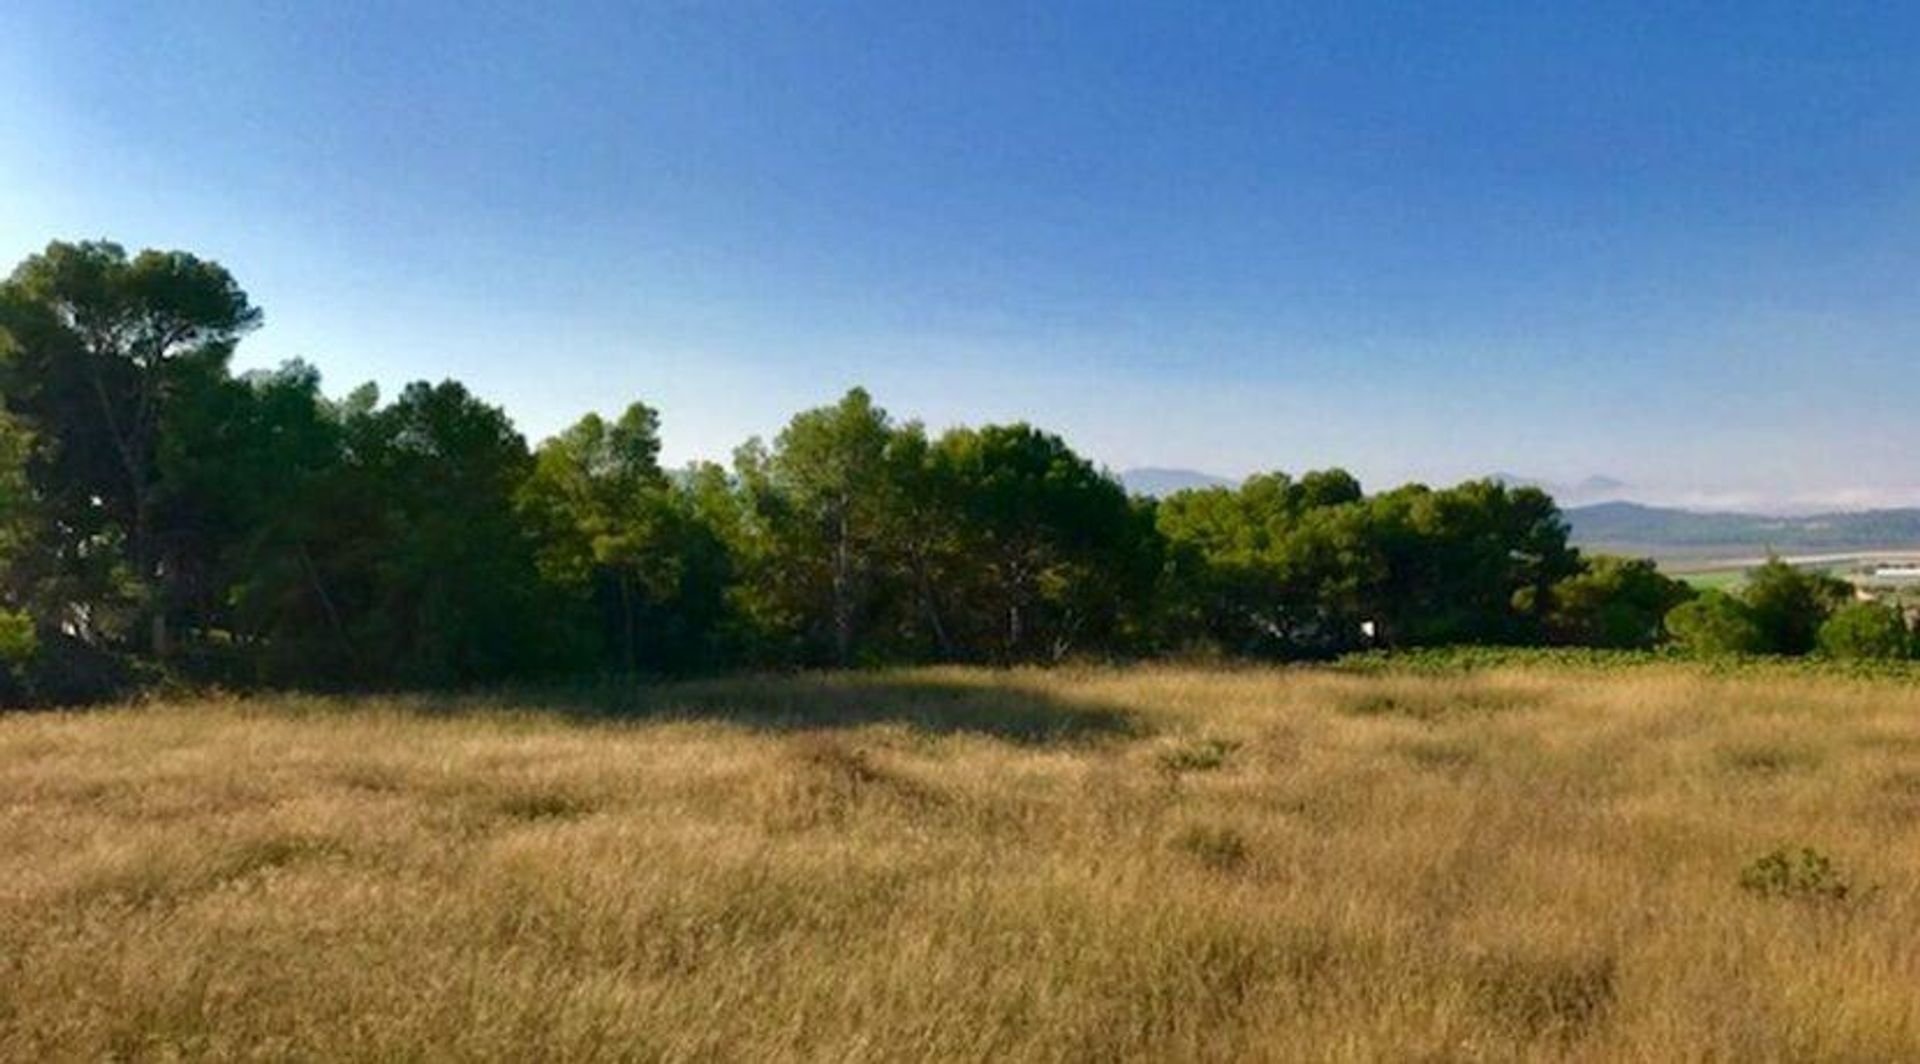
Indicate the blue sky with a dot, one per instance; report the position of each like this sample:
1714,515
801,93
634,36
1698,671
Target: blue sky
1422,241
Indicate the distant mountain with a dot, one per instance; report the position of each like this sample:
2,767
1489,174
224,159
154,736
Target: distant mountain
1599,485
1668,532
1160,482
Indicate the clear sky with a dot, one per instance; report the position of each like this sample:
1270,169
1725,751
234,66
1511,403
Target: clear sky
1424,240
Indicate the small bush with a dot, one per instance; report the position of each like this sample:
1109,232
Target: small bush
17,639
1806,876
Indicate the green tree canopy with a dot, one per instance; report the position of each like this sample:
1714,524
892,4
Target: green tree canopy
1866,630
1789,604
821,500
609,533
1716,623
1046,535
104,348
1610,602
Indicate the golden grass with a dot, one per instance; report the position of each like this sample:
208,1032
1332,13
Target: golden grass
1126,864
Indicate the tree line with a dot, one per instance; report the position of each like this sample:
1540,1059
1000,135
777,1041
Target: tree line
162,516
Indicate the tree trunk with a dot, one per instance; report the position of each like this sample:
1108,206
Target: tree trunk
127,443
842,593
932,606
327,606
626,621
161,639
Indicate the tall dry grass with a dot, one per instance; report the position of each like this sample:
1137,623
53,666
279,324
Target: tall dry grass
1133,864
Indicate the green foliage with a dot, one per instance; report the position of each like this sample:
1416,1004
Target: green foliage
1807,875
17,637
1789,604
1466,660
397,552
1282,568
1779,610
613,537
161,515
1716,623
18,642
819,503
1610,602
1048,536
862,540
108,354
1274,567
453,589
1866,630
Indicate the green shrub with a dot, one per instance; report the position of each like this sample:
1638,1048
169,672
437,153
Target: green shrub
1715,624
1468,660
1611,602
17,639
1866,630
1806,876
1788,604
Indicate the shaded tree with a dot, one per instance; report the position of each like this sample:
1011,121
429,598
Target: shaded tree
1271,567
18,640
820,500
410,561
612,532
1048,539
1866,630
1789,604
1715,623
103,347
1610,602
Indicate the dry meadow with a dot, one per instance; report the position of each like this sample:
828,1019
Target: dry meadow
1088,864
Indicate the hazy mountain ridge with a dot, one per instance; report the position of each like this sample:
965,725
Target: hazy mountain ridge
1665,529
1585,491
1158,481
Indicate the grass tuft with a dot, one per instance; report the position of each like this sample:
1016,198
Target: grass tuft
1200,755
1220,848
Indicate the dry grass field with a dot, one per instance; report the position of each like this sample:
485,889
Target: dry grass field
1146,864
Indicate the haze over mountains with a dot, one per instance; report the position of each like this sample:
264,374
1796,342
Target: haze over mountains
1668,532
1583,492
1158,482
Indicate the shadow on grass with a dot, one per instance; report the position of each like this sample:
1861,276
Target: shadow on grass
999,707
